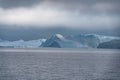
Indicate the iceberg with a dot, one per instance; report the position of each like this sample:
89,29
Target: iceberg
22,43
77,41
59,41
113,44
91,40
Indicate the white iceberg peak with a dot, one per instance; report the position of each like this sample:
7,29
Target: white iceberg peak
59,36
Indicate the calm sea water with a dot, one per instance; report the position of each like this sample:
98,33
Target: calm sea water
59,64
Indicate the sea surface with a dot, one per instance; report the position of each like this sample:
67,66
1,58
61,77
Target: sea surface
59,64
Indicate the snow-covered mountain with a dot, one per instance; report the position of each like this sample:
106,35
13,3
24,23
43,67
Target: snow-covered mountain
22,43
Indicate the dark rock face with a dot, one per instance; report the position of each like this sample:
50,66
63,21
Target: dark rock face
113,44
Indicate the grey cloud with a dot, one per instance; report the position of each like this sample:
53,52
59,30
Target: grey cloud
86,1
27,3
84,6
18,3
89,5
101,12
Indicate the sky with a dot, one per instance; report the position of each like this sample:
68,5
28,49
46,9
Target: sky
71,14
68,13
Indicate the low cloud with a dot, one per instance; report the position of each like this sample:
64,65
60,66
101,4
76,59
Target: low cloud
46,15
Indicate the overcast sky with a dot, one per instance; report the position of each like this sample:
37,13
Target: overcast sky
68,13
